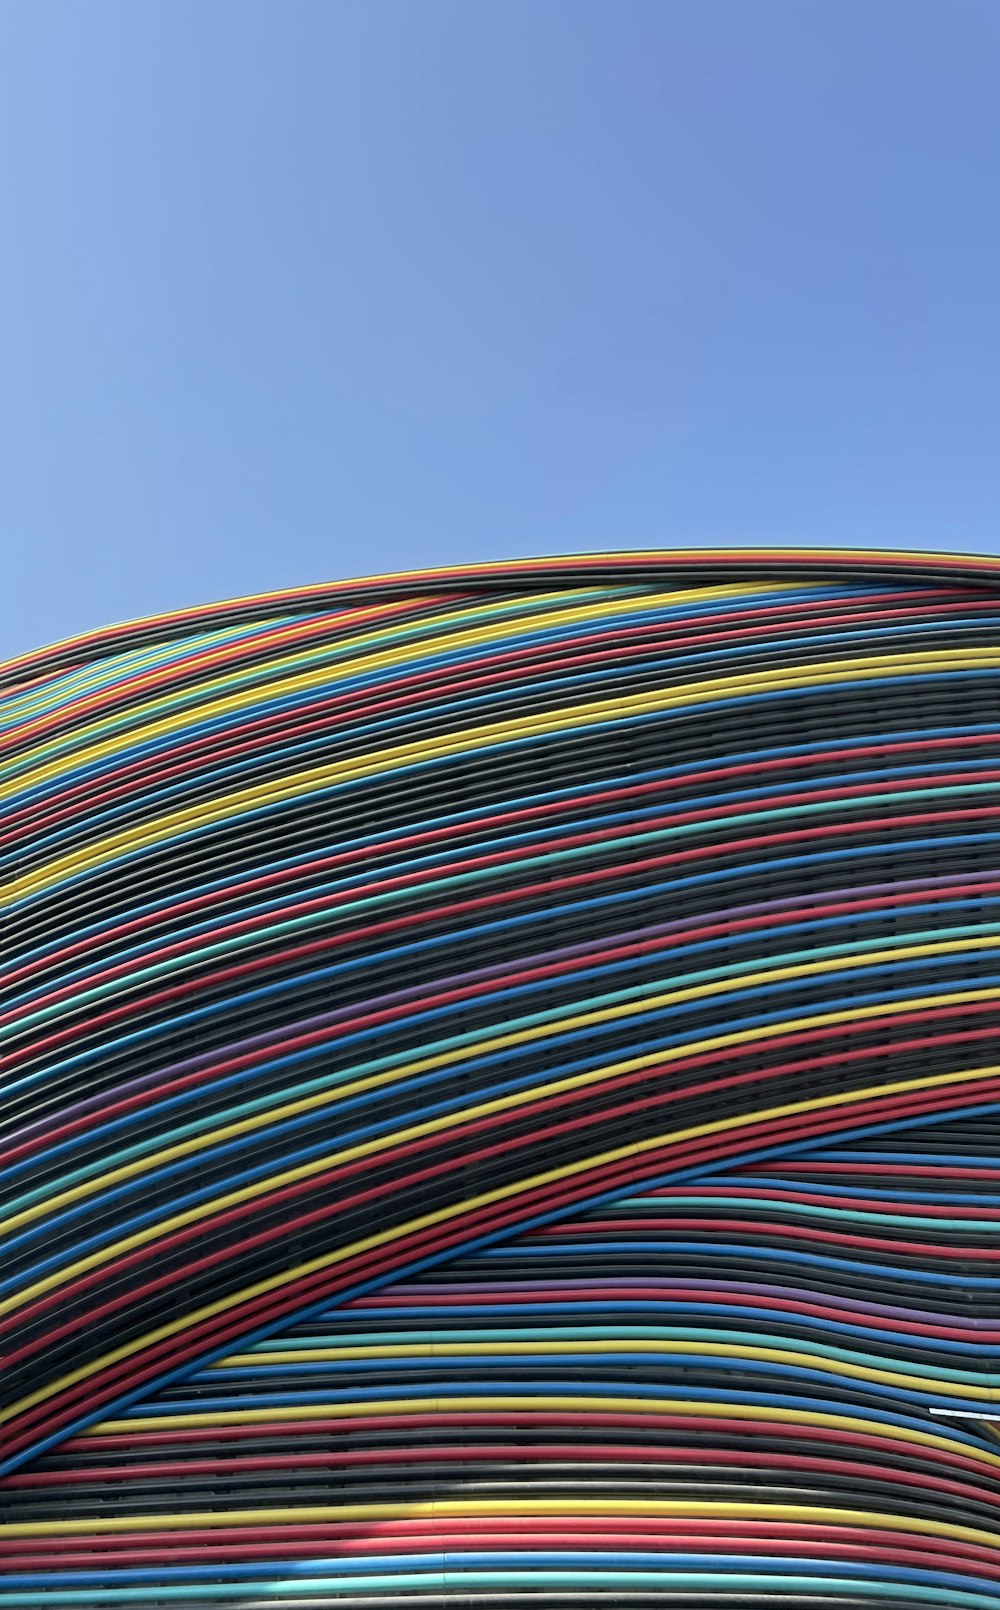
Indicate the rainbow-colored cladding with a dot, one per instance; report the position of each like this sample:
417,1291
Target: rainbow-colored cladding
501,1093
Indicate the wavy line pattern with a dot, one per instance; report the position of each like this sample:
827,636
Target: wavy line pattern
500,1092
746,1392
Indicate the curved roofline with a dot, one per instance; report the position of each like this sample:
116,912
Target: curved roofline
688,565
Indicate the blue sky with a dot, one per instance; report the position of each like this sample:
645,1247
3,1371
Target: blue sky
293,291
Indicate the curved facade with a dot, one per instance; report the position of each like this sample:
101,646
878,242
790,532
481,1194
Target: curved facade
501,1092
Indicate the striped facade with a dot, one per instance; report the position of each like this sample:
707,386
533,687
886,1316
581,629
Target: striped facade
501,1095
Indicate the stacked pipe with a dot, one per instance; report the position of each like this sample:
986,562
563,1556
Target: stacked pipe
500,1092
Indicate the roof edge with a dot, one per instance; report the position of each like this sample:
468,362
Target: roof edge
688,565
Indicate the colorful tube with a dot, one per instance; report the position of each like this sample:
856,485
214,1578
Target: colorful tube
501,1092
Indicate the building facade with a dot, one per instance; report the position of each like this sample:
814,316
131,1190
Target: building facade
501,1094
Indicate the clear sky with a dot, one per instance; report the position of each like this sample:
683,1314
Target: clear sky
292,291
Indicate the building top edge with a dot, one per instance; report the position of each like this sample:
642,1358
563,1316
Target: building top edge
691,566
